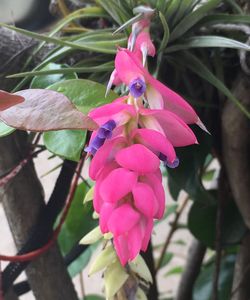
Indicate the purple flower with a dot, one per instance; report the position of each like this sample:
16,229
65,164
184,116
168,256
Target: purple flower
137,87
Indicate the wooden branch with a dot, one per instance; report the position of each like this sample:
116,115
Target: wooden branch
23,197
196,254
15,48
236,154
23,200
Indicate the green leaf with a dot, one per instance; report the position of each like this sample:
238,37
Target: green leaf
208,41
167,259
175,271
104,43
172,9
203,286
66,143
79,221
93,297
202,224
81,262
85,94
209,175
5,129
116,10
191,19
194,64
165,38
42,82
64,73
183,8
225,18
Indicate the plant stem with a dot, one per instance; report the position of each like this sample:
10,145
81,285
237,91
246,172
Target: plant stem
171,232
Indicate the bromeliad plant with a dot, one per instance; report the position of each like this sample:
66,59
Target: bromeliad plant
136,132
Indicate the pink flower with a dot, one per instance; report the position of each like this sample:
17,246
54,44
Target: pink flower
131,142
127,208
131,71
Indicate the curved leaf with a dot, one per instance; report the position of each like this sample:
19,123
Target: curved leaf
8,100
191,19
5,129
104,46
45,110
66,143
48,77
208,41
194,64
85,94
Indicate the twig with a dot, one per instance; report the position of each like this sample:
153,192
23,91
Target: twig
36,253
218,247
171,232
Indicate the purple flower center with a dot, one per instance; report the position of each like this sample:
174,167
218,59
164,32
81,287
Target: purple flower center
103,133
172,165
137,87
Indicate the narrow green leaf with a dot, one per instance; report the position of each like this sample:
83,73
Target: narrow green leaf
225,18
93,297
183,8
172,9
48,77
165,38
109,66
174,271
116,11
167,259
190,20
208,41
105,46
194,64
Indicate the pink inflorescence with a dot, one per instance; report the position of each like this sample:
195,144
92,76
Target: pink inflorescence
136,133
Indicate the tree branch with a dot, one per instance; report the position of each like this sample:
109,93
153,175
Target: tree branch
196,254
236,153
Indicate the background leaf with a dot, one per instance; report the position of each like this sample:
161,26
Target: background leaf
78,222
202,224
5,129
42,82
66,143
203,285
85,94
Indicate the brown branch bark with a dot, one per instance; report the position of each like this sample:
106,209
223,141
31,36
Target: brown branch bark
22,200
23,197
236,154
196,254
